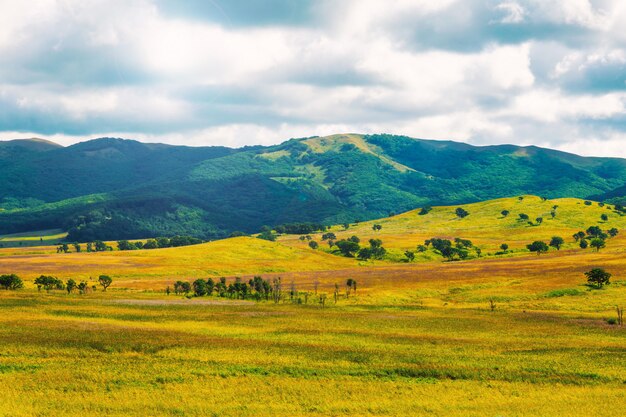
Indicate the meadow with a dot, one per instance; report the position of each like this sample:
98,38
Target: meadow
501,335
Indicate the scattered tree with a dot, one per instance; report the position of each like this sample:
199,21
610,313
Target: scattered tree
597,244
461,213
70,285
557,242
347,247
376,227
604,217
49,283
504,247
410,255
11,282
313,244
199,288
583,244
425,210
105,281
538,246
598,277
505,213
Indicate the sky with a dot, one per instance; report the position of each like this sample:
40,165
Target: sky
233,72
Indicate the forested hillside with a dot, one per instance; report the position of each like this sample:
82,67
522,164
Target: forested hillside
114,189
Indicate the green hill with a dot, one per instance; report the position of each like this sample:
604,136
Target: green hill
113,188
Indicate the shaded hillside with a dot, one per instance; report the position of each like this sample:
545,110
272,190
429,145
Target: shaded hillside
112,188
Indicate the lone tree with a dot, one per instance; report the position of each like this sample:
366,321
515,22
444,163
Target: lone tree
604,217
105,281
11,282
597,243
349,283
313,244
523,216
70,285
505,213
538,246
461,212
504,247
598,277
557,242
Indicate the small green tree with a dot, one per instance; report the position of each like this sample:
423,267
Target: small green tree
538,246
583,244
100,246
49,283
11,282
505,213
70,285
376,227
598,277
199,288
461,212
523,216
604,217
613,232
347,248
504,247
597,244
313,244
557,242
410,255
105,281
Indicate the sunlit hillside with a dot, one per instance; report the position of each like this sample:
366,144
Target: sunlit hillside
485,225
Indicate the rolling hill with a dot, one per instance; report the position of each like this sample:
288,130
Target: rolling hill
113,188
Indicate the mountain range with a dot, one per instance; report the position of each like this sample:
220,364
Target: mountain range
115,188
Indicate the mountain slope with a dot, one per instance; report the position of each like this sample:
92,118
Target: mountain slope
112,188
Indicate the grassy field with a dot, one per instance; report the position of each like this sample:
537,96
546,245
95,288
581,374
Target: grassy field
37,238
416,339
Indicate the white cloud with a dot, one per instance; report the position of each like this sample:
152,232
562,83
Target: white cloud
76,69
513,12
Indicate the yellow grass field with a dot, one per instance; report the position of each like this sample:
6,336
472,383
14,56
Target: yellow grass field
416,339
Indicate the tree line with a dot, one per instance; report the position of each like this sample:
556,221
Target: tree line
49,283
259,289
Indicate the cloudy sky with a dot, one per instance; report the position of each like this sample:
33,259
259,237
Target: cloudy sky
234,72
